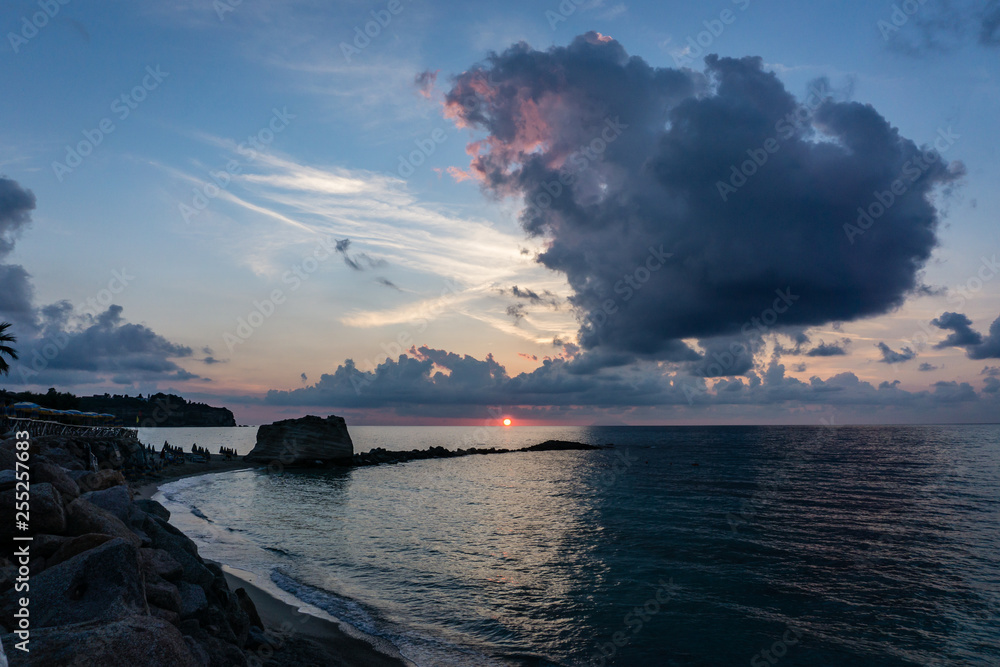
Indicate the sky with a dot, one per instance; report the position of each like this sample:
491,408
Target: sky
418,212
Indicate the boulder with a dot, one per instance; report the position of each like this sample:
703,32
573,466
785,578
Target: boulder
84,517
76,545
8,573
153,507
215,623
134,640
259,641
157,562
249,607
220,652
47,515
183,550
77,475
233,613
100,480
193,599
45,545
8,459
59,456
57,477
163,594
198,651
171,617
102,584
307,442
116,500
8,478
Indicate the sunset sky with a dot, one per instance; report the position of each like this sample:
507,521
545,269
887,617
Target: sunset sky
596,212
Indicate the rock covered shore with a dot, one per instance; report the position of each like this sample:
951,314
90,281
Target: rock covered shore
109,581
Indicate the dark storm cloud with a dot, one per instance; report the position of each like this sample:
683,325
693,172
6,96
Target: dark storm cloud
926,367
963,335
725,357
359,261
16,293
890,356
961,327
829,349
104,344
619,164
16,205
992,371
991,385
990,347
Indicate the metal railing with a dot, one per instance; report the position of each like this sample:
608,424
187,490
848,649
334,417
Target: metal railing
39,427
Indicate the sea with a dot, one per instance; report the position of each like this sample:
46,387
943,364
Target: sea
681,545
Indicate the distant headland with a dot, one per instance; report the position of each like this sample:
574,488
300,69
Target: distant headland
155,410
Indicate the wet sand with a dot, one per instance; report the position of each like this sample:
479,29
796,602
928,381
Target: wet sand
146,486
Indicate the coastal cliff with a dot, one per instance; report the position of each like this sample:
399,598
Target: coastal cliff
155,410
158,410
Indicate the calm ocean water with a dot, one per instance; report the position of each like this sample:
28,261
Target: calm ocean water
682,546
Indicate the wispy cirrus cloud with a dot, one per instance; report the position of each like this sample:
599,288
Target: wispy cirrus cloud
424,250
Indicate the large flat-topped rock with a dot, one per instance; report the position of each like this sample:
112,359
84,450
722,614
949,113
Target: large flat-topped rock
307,441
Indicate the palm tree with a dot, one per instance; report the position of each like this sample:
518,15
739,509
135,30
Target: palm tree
6,349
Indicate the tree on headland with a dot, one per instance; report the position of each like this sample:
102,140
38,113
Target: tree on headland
6,349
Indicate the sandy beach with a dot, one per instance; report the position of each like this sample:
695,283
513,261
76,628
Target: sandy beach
146,486
299,639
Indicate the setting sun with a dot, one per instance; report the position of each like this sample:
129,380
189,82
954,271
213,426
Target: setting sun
506,421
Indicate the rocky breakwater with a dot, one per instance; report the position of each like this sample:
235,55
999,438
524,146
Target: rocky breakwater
108,580
378,456
306,442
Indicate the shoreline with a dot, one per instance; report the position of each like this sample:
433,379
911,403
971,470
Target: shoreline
147,486
298,637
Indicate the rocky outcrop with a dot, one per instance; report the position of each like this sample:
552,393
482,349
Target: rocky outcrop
102,584
306,442
112,582
129,642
